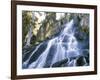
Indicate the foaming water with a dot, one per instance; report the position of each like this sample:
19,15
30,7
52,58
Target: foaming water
63,46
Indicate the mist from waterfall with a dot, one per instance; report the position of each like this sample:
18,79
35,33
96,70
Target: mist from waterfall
61,50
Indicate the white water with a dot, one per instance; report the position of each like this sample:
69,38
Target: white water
61,52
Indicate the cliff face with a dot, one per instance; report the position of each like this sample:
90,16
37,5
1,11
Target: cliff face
39,26
55,39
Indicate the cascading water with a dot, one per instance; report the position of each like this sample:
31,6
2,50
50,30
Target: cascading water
61,50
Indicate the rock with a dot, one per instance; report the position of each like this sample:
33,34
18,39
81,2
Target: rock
72,63
50,56
60,63
34,55
81,61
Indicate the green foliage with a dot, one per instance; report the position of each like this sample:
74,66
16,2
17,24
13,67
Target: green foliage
26,21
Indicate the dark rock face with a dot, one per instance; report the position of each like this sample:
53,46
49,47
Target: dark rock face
80,61
50,56
34,55
60,63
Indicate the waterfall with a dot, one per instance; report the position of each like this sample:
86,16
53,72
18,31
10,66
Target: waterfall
62,48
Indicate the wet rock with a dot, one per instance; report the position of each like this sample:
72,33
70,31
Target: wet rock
50,56
86,55
34,56
81,61
60,63
72,63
